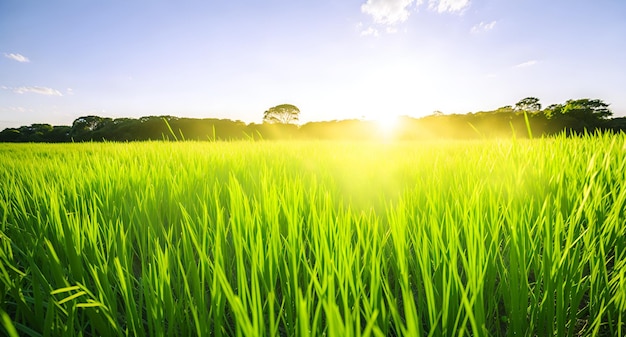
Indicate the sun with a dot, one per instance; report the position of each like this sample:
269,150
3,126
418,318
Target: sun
387,124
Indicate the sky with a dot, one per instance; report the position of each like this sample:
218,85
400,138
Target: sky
333,59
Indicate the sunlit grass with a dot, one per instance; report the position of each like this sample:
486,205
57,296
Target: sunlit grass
484,238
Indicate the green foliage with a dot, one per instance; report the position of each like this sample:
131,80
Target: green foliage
574,117
554,111
36,133
581,115
481,238
587,109
528,104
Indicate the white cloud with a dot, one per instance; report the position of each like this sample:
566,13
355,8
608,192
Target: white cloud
442,6
38,90
393,12
391,30
483,27
20,109
526,64
17,57
389,12
370,31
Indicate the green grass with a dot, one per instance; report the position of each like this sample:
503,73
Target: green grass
483,238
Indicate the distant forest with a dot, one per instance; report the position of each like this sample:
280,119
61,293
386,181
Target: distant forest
524,119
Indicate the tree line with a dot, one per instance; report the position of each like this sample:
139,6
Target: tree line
524,119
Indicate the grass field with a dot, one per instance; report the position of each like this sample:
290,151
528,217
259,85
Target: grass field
483,238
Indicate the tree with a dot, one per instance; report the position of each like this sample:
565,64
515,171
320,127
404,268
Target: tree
587,109
84,127
282,114
59,134
578,115
505,109
10,135
553,111
528,104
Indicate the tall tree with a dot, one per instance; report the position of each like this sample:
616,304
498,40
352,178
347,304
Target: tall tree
282,114
528,104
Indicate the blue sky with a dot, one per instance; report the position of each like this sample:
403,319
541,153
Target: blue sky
63,59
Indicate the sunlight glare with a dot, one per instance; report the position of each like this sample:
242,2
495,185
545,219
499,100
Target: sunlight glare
387,124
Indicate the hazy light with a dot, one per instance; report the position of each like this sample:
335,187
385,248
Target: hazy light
387,124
